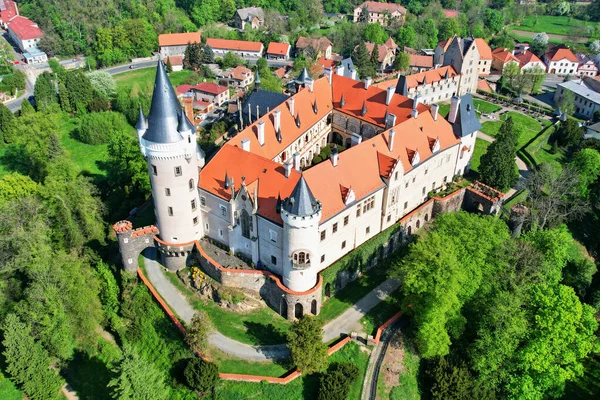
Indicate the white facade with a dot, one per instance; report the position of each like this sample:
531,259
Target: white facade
562,67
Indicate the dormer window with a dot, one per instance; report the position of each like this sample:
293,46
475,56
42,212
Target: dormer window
301,260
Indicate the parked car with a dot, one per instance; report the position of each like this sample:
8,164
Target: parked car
132,66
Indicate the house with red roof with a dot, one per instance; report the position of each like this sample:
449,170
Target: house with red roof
528,60
24,32
175,44
386,54
176,62
239,77
278,51
450,13
207,92
241,48
8,9
502,57
420,63
485,57
587,66
314,48
379,13
561,61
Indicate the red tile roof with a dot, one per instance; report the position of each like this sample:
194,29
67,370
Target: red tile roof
483,85
381,50
375,6
450,13
280,72
325,63
485,52
175,60
178,39
236,45
421,61
527,57
239,73
561,53
8,9
504,55
280,49
206,87
24,28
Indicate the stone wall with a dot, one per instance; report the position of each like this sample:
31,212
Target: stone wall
133,242
451,203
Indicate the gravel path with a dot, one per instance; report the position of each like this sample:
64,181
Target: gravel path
344,324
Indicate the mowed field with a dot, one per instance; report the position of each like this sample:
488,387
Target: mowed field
553,24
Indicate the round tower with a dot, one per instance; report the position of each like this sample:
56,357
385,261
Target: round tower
168,142
301,214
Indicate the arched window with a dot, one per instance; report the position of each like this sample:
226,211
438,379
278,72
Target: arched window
418,224
426,217
409,231
191,184
246,224
301,257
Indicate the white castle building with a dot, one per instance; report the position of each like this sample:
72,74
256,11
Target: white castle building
261,196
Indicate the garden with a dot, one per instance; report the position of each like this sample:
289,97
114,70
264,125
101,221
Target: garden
529,127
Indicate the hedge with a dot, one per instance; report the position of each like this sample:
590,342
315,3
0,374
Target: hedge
358,258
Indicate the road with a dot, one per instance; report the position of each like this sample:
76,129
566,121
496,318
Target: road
344,324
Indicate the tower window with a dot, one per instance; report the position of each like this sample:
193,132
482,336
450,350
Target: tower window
405,205
195,220
272,236
153,169
191,184
170,210
167,191
177,171
193,204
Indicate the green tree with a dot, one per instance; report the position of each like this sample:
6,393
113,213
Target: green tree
361,60
109,291
510,72
498,168
494,20
402,62
79,88
448,27
63,98
27,362
137,379
197,333
169,66
44,91
569,133
375,33
336,383
305,341
566,102
430,32
407,37
7,123
99,127
27,108
103,83
536,75
200,375
15,186
587,163
142,36
374,59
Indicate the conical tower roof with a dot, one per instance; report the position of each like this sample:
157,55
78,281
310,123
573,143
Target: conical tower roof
141,124
302,202
164,110
184,123
303,77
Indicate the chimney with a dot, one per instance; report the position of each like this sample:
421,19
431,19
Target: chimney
246,144
434,111
334,156
310,84
414,113
288,169
368,82
391,133
296,159
391,121
328,72
257,112
389,94
339,70
291,104
261,132
454,103
416,101
277,120
353,74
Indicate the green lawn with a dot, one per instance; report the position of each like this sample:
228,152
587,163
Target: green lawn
480,149
541,151
232,365
381,313
444,109
144,79
350,294
87,157
258,327
553,24
8,391
528,126
518,198
485,107
305,387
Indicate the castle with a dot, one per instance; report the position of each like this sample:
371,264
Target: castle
260,195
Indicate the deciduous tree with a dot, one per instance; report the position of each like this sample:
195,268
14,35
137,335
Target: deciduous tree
305,341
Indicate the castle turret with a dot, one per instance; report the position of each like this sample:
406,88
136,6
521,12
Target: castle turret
301,214
168,141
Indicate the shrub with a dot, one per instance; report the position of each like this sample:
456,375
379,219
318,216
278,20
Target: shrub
335,384
97,128
200,375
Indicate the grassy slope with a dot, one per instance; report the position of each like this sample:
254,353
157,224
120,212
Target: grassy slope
553,24
409,383
88,157
144,78
480,149
529,126
8,391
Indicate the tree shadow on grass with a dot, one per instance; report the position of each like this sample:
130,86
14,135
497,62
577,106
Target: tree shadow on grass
264,334
88,376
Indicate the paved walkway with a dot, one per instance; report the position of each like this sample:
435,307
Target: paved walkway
344,324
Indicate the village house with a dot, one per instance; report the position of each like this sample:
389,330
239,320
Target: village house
373,12
207,92
241,48
386,54
485,57
239,77
586,94
561,61
253,17
26,34
528,60
587,66
176,62
420,63
8,9
502,57
314,48
278,51
175,44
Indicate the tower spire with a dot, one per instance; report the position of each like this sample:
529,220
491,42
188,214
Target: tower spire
141,124
256,80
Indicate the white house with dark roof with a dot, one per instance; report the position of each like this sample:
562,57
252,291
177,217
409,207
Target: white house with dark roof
586,99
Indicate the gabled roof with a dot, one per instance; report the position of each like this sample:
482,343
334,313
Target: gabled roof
484,86
450,13
382,51
236,45
412,81
444,44
375,6
527,57
277,48
485,51
421,61
178,39
175,60
320,44
238,73
8,9
206,87
466,120
248,13
504,55
561,53
24,28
